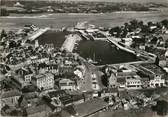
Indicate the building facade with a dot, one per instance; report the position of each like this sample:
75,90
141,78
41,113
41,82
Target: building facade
67,84
133,83
44,81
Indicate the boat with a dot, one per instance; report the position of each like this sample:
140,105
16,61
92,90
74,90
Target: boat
92,61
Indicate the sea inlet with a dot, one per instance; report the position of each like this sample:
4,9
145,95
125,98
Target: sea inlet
103,52
100,51
54,37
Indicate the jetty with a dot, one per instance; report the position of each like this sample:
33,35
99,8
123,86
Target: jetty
37,33
85,35
70,42
128,63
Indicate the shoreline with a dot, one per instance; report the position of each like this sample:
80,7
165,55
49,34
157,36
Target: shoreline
47,15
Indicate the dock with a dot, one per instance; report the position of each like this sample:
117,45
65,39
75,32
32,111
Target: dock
37,33
85,35
70,42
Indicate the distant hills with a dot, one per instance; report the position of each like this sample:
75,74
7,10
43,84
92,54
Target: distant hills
138,1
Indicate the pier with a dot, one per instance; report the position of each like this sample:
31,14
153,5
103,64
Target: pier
84,35
70,42
38,33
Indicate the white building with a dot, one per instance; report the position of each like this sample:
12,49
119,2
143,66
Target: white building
36,44
95,85
18,4
166,53
156,82
67,84
133,83
27,78
112,80
45,81
127,41
79,74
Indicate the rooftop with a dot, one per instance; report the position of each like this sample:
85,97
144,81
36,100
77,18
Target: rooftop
154,68
90,107
37,109
58,93
11,93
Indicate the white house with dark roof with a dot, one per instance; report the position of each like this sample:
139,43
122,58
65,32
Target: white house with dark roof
67,84
156,82
133,83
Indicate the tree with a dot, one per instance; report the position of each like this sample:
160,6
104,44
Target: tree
116,30
150,24
104,79
145,29
126,25
161,108
165,23
4,12
134,23
141,24
3,33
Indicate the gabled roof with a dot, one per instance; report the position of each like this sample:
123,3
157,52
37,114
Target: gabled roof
121,80
11,93
66,81
44,75
110,90
68,111
58,93
90,107
37,109
84,109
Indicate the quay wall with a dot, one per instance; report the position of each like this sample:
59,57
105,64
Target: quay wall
147,55
127,63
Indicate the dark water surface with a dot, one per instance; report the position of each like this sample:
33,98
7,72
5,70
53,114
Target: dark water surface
53,37
100,51
103,52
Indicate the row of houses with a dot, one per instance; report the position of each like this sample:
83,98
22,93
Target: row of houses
133,79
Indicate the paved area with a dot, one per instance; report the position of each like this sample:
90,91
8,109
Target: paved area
86,84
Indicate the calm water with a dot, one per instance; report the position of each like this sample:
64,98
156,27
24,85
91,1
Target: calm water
103,52
52,37
64,20
100,51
